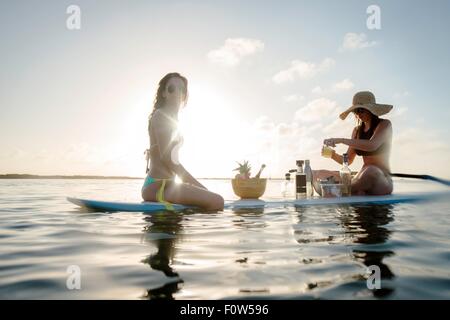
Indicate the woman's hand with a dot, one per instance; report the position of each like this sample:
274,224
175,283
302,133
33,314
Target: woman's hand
332,142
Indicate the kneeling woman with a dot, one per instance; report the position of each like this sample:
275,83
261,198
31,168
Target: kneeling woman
160,183
371,139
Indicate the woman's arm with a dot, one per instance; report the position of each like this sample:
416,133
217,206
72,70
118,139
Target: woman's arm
350,151
340,159
337,157
382,132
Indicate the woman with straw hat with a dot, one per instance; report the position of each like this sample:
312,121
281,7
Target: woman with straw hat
371,139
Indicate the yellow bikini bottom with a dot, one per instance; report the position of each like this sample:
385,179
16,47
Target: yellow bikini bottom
160,193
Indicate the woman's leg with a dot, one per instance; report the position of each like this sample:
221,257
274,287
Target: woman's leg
182,193
149,192
186,194
371,180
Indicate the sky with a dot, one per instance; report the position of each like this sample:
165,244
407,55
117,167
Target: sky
267,80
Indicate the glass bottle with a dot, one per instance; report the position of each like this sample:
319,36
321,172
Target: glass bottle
300,181
309,177
346,177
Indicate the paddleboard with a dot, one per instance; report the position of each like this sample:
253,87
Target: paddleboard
149,207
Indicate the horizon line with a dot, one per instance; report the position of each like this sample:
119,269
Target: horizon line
36,176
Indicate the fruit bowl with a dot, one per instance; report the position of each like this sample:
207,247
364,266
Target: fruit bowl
251,188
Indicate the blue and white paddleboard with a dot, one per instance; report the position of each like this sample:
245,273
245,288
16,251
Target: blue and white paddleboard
149,207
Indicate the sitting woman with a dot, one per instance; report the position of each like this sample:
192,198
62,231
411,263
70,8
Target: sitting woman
165,141
371,139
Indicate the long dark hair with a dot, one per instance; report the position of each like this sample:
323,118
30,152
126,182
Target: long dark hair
374,121
160,101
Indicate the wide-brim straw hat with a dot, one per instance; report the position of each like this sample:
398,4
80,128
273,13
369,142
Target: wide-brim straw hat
366,100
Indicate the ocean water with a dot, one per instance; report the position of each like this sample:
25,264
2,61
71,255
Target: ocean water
50,249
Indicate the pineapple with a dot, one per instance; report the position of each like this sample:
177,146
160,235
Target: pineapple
244,170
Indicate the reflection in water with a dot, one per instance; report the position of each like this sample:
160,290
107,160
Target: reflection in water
248,211
165,228
363,226
366,225
245,218
305,232
164,292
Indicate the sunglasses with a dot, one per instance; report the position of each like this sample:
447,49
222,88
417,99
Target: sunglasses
358,110
171,89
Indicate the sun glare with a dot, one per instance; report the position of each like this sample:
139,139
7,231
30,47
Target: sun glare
212,130
214,135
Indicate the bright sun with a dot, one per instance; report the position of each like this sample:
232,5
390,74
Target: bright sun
214,135
212,132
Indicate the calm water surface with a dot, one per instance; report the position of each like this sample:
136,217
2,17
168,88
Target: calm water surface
282,253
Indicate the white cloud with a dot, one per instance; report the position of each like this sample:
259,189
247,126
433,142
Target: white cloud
337,127
234,50
353,41
303,70
397,112
293,98
316,110
282,143
79,158
431,153
13,153
317,90
284,129
343,85
263,123
401,94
